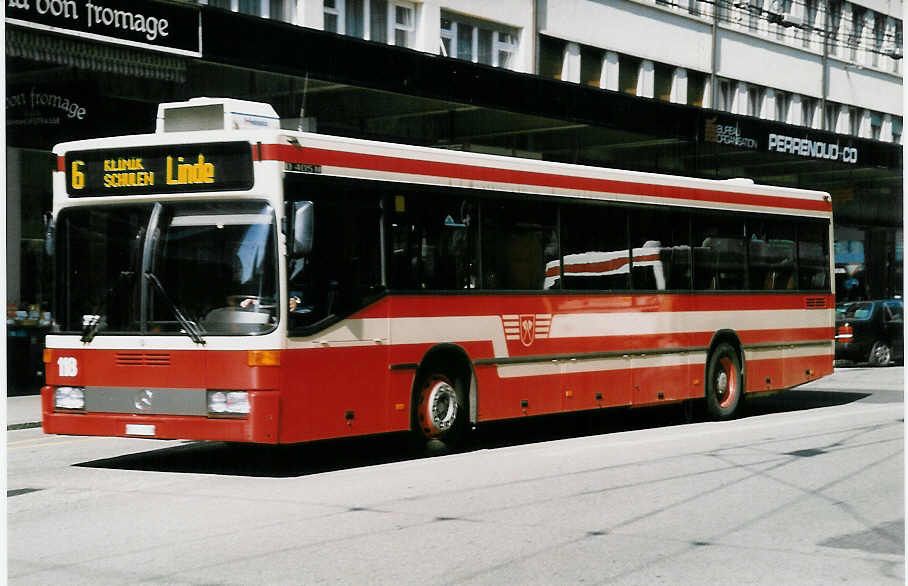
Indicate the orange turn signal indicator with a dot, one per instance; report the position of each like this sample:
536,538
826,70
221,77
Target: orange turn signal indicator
48,355
263,357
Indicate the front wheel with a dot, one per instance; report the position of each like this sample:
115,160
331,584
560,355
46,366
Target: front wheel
441,409
724,382
880,354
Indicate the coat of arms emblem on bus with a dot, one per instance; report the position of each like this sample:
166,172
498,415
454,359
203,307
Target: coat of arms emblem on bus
526,327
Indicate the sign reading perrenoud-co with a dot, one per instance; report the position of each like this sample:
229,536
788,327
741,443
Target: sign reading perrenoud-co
169,27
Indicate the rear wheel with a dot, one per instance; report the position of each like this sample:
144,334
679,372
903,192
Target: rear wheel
724,382
880,354
441,409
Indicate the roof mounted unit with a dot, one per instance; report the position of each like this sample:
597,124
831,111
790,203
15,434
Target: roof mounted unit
215,114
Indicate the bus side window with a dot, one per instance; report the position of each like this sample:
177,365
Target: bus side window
519,246
433,240
813,256
660,249
772,254
720,260
594,244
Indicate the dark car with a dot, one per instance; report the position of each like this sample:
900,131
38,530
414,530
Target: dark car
869,331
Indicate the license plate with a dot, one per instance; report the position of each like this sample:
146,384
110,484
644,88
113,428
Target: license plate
136,429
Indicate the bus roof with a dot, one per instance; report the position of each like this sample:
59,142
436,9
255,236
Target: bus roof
351,157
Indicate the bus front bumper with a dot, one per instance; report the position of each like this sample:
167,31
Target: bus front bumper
259,426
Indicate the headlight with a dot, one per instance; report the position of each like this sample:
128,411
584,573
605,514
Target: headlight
69,398
228,402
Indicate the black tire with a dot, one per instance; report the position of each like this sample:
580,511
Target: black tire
724,382
440,410
880,354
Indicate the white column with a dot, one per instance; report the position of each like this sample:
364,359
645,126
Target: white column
889,46
818,116
886,128
708,93
427,20
867,40
767,109
570,66
864,127
608,80
794,110
679,86
310,13
844,32
843,120
645,79
739,101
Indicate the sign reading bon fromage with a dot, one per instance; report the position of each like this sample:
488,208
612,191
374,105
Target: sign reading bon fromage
224,166
169,27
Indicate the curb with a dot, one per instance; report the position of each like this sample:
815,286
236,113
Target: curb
16,426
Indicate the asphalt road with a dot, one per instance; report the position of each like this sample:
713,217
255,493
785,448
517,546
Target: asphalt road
807,488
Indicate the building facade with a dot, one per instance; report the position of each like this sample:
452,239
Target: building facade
800,93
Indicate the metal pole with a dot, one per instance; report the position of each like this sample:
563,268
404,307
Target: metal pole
713,79
825,77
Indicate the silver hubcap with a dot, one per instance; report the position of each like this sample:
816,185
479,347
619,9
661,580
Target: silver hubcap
881,354
443,406
721,384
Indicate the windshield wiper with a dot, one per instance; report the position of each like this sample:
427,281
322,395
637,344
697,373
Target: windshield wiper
191,328
90,329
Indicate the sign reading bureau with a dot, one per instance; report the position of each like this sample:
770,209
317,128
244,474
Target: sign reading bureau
220,166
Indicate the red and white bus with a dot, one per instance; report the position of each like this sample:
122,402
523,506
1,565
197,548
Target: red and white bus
224,279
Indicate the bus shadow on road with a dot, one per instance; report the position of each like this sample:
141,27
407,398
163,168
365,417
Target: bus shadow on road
332,455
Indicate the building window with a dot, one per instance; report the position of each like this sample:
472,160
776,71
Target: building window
382,21
754,14
628,72
696,88
879,28
835,22
857,30
810,17
275,9
478,41
663,76
725,95
783,103
591,66
754,100
876,125
854,122
551,55
897,47
808,107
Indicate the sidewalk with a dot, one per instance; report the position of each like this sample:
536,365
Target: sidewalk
26,411
23,411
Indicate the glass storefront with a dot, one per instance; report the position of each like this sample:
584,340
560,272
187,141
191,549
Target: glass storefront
100,90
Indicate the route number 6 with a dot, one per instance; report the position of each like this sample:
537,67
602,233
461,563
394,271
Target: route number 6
68,366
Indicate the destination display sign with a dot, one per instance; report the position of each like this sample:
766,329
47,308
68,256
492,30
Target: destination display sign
220,166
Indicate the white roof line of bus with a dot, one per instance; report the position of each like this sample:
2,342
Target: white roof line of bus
435,154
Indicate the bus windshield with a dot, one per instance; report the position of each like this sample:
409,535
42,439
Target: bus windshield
169,268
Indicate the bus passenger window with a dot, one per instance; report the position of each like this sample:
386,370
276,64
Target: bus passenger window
660,250
772,250
720,260
433,240
519,246
594,244
813,256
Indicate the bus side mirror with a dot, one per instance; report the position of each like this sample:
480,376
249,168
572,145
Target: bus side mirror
303,214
